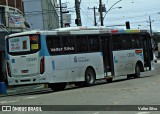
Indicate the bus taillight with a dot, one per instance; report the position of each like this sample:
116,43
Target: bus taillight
8,69
42,69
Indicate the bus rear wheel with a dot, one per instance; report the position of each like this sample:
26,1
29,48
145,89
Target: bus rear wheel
90,77
57,86
137,71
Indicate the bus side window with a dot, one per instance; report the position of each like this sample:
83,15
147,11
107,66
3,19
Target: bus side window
54,45
68,43
82,43
117,42
136,41
93,41
126,41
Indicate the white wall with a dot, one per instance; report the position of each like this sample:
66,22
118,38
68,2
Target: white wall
33,13
41,14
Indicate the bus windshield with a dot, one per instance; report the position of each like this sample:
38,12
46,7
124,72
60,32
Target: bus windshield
22,45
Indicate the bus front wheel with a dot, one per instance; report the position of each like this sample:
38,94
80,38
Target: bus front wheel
137,71
89,77
57,86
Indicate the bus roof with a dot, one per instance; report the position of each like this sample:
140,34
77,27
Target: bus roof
128,31
77,30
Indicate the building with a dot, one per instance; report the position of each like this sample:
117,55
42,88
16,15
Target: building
11,21
41,14
12,15
13,3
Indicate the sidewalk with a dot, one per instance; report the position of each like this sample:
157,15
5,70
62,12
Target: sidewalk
29,89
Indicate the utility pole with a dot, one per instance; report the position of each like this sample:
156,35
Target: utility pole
95,23
94,9
61,13
101,13
78,19
150,25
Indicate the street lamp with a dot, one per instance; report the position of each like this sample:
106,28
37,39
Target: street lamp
108,11
94,9
101,17
111,9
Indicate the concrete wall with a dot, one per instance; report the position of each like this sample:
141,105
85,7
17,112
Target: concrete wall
33,13
50,15
41,14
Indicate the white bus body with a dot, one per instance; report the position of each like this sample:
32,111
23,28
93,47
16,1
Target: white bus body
30,60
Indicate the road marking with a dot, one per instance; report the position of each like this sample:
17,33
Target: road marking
143,113
96,113
30,97
5,102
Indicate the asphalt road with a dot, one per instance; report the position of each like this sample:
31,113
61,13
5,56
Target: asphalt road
140,91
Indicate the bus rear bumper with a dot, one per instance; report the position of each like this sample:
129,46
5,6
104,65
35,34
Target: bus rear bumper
26,80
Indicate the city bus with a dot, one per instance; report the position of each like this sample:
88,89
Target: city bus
76,55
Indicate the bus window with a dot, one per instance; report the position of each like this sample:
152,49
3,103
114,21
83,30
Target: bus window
23,45
68,44
126,41
117,43
136,41
94,44
54,45
81,43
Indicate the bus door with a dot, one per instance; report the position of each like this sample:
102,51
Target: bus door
147,50
106,48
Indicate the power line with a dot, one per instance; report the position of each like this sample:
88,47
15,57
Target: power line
87,16
133,17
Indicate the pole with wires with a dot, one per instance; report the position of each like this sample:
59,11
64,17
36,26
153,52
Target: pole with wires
101,13
78,19
94,9
150,25
61,16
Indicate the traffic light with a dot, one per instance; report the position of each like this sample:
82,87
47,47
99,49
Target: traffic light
127,25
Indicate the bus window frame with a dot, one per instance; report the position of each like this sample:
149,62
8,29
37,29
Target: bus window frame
25,52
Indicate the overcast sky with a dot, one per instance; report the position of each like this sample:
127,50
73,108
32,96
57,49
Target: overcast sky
137,12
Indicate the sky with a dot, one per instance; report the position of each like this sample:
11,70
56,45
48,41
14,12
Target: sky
137,12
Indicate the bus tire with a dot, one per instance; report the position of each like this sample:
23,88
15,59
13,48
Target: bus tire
137,71
89,77
57,86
